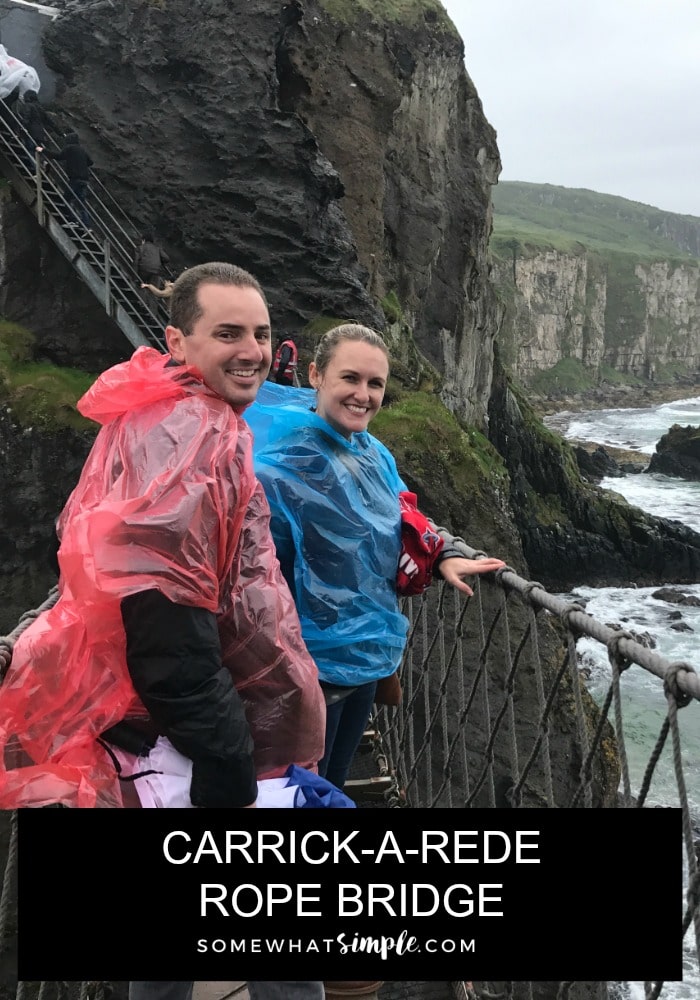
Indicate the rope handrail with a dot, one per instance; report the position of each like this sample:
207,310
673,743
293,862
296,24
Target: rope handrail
585,624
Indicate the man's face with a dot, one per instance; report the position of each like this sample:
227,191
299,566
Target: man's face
229,343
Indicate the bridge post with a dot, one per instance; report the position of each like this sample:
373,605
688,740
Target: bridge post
39,189
108,277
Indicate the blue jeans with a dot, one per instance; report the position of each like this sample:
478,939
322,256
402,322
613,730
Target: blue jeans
30,147
76,195
345,723
257,990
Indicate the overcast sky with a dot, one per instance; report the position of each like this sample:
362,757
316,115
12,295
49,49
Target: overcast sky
598,94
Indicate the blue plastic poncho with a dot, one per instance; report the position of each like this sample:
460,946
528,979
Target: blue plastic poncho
337,529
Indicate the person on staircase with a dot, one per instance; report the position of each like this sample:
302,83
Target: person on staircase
77,163
35,119
173,619
335,495
151,260
161,293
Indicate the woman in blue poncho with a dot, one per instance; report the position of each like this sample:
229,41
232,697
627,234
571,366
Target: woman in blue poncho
334,491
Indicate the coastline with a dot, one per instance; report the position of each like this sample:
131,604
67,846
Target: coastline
616,397
612,397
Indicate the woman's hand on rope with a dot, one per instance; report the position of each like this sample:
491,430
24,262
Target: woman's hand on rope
455,568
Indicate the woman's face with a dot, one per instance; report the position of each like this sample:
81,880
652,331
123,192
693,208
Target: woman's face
351,389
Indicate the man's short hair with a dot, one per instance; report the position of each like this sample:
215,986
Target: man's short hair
185,308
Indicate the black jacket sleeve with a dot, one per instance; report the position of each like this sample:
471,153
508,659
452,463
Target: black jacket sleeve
174,660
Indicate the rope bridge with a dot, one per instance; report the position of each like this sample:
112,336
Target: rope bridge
484,679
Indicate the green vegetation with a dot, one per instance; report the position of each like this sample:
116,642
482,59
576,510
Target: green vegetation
408,12
422,434
625,309
614,377
570,375
670,371
541,216
392,308
511,241
567,375
39,394
548,440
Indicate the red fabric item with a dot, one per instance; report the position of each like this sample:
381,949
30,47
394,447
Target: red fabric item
167,498
293,358
420,547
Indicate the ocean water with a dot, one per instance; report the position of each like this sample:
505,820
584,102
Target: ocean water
644,704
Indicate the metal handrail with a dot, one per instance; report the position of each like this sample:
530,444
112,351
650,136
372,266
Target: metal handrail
104,263
126,246
105,198
126,225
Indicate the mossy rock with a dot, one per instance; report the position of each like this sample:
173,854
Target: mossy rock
40,395
427,439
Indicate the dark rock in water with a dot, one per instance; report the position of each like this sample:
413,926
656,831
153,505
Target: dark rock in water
675,616
681,627
674,596
596,465
573,532
678,453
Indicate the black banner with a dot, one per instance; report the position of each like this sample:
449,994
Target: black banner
396,894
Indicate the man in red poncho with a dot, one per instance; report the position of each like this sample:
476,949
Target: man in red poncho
173,617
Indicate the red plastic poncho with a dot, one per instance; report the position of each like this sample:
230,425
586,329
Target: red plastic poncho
167,499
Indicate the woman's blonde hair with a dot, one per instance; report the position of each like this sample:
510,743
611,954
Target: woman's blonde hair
329,342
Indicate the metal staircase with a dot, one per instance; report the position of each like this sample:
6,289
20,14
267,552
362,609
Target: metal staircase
103,255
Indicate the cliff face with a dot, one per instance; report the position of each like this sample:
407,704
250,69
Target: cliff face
569,528
595,278
43,468
41,291
638,317
392,107
340,157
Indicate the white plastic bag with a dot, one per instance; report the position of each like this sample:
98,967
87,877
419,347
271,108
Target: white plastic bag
169,786
13,72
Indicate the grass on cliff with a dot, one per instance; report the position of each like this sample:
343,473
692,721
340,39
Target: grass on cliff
422,434
571,375
530,217
408,12
39,394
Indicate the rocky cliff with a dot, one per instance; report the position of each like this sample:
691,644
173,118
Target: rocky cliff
342,157
608,282
678,453
42,468
570,529
41,291
640,318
